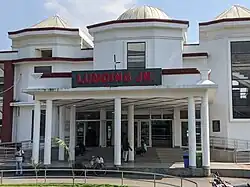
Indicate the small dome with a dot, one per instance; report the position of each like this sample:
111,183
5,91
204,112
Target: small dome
143,12
236,11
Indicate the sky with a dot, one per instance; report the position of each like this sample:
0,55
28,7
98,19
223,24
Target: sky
19,14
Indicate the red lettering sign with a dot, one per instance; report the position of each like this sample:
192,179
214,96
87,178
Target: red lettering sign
127,77
146,76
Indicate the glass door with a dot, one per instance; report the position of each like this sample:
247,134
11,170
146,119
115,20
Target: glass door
162,133
92,133
184,133
80,134
137,134
109,133
145,131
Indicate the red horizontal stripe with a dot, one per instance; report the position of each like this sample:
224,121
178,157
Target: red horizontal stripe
181,71
51,59
223,20
43,29
137,21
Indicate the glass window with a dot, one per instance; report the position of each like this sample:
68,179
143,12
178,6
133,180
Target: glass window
156,117
42,69
136,55
46,53
240,63
184,114
184,132
216,125
1,88
146,116
42,124
88,115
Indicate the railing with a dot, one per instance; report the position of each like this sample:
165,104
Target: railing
229,143
113,177
240,148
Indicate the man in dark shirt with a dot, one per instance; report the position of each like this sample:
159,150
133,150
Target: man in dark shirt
126,147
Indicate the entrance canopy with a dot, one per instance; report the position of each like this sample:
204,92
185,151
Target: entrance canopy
154,103
148,96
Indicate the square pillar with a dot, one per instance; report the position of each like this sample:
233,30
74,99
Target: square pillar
102,139
131,129
191,132
117,141
205,134
48,132
177,128
62,116
36,132
72,133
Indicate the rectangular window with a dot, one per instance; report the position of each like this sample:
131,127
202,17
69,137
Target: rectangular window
42,124
136,55
216,125
46,53
42,69
240,67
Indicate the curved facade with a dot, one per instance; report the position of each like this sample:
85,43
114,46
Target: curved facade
138,79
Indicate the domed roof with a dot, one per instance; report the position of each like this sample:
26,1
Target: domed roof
236,11
143,12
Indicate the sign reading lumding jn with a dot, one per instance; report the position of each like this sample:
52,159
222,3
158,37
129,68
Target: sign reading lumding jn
112,78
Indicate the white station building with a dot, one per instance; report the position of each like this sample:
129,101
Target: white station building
134,77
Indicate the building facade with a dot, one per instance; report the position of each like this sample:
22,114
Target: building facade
135,77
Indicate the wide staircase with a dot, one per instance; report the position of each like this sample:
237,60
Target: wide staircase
222,149
153,155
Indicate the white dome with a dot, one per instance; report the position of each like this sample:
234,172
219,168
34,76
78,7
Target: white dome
143,12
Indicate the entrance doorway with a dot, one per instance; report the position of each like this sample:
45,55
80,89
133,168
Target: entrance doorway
184,133
162,133
142,132
88,133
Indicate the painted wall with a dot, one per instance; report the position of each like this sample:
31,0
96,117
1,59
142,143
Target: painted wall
163,49
216,40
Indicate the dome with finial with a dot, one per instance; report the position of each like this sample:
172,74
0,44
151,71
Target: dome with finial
54,21
143,12
236,11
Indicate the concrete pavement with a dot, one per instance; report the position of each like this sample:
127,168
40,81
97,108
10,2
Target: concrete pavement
202,182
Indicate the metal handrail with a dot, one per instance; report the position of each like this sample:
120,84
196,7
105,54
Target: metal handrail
229,143
85,171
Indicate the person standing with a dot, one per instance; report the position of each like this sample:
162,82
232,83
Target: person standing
126,148
19,160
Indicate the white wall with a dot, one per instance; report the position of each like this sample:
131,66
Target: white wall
163,47
217,43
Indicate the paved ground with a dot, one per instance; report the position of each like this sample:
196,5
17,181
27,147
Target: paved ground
219,165
202,182
214,165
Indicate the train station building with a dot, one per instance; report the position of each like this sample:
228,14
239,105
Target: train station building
134,77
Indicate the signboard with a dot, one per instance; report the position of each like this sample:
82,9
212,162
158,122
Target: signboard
112,78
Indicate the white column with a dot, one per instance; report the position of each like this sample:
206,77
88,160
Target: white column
138,133
205,132
48,132
72,133
117,142
131,133
177,128
191,132
55,123
102,138
62,117
85,132
150,133
36,132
